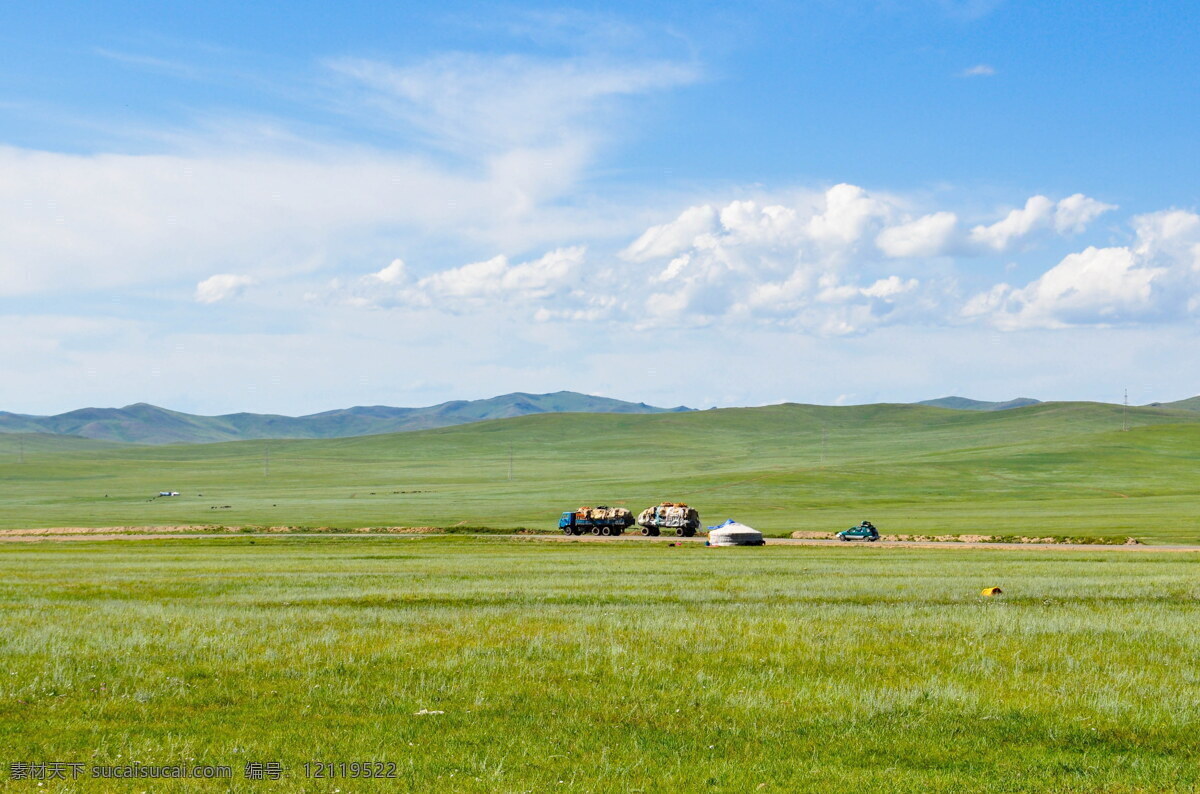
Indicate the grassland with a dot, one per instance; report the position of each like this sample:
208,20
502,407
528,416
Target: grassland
617,667
1050,469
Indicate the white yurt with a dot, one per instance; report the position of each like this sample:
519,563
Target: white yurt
732,533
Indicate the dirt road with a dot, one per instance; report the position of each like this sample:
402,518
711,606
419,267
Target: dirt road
882,544
61,534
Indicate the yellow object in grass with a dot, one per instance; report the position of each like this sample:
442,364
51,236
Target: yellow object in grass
991,591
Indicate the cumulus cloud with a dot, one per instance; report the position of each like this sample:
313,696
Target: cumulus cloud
497,277
828,262
394,273
1018,224
769,263
889,287
840,261
1039,215
797,265
1155,278
467,288
939,233
1173,235
1096,285
848,211
930,235
669,239
222,286
1073,214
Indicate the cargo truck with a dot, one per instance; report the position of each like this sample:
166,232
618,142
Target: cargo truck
674,517
602,520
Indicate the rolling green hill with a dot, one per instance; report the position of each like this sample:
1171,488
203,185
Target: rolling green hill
966,404
1048,469
148,424
1190,404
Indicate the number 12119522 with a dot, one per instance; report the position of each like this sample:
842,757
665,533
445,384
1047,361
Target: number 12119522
350,769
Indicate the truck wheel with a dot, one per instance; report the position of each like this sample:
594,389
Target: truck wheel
567,531
596,531
606,531
681,532
655,531
689,532
647,531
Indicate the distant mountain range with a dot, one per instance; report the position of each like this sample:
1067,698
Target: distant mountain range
148,424
965,404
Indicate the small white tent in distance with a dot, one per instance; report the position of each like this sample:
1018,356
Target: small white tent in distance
732,533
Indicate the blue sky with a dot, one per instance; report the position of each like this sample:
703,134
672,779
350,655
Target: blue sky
294,207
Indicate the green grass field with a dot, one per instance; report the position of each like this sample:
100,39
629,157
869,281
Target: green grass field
1063,469
603,667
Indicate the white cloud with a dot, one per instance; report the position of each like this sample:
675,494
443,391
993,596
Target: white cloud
804,264
491,282
929,235
394,273
1039,215
1096,285
270,203
848,211
496,277
222,286
105,221
468,102
1156,278
838,262
671,238
987,304
1073,214
798,265
1017,225
768,263
978,70
890,287
1174,234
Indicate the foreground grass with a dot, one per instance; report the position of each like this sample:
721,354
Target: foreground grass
615,667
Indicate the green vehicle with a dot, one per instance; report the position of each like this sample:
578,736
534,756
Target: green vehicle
866,530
